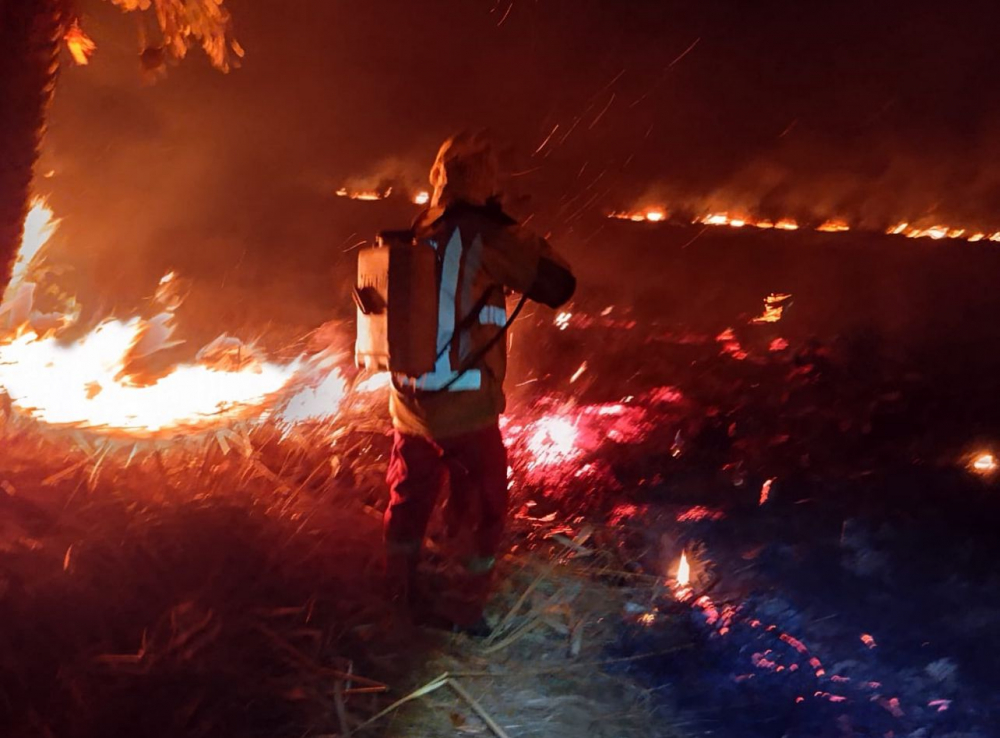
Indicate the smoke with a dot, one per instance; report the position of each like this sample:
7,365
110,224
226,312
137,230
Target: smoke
780,108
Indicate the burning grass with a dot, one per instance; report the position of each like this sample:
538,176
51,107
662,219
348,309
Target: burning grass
230,585
226,582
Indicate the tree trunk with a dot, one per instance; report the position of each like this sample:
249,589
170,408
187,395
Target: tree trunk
30,34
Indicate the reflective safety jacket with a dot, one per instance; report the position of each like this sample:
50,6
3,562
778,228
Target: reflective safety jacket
481,253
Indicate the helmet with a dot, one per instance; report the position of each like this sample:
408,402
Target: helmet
466,169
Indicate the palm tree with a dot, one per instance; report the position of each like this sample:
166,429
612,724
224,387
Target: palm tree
30,35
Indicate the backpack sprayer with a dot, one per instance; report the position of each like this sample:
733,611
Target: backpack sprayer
397,299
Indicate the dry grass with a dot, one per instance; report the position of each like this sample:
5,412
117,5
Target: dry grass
228,586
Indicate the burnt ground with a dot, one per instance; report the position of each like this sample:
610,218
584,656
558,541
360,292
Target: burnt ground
206,593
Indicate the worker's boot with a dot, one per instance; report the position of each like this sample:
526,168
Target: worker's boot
462,606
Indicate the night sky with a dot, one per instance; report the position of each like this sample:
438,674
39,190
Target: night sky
818,109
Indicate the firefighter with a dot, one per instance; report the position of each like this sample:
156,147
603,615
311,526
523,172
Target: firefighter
447,422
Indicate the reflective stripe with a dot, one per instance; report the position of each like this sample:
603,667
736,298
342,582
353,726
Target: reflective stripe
493,315
443,374
473,262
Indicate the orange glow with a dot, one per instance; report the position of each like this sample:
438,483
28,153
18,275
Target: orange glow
833,226
81,46
683,571
786,225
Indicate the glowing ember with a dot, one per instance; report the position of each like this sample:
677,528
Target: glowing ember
765,491
562,320
683,571
553,441
984,463
578,373
868,640
422,198
700,513
81,46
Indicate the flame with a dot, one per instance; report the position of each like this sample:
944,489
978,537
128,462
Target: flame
86,384
104,380
831,225
984,463
683,571
364,195
39,227
375,383
81,46
652,215
774,308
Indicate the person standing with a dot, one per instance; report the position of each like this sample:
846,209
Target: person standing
446,423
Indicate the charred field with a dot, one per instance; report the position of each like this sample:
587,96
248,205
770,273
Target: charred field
828,476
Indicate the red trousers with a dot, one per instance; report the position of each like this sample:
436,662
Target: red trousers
475,464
